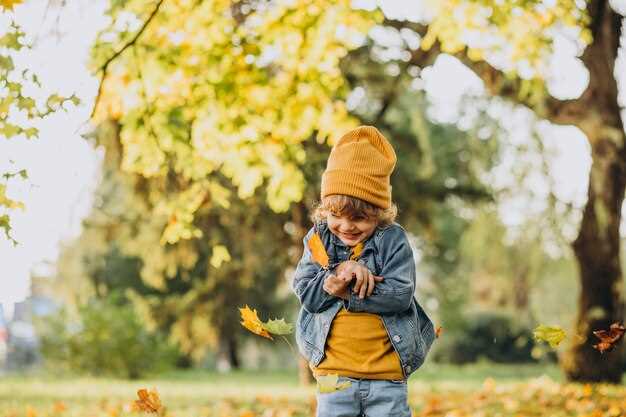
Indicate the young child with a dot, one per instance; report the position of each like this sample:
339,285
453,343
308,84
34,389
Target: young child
356,280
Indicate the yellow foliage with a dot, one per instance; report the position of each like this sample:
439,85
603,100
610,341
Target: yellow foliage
220,255
207,94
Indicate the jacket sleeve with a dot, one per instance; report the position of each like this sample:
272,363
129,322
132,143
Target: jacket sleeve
309,279
395,292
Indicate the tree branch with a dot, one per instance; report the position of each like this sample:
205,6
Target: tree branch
104,68
496,82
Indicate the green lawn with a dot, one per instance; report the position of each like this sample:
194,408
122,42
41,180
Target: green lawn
435,390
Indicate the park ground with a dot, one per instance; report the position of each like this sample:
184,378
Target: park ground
479,390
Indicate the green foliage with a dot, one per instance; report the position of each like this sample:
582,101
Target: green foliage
109,338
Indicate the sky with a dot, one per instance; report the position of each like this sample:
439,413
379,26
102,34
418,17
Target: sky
63,167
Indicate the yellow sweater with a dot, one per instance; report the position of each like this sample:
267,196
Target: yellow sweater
358,346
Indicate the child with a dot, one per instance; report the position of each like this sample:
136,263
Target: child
359,318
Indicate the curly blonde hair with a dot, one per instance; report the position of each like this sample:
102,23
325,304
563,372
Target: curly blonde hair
339,204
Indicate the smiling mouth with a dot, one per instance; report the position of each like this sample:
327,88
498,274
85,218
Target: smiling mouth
350,235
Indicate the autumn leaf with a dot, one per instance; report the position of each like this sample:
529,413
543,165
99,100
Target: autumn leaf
608,339
328,383
278,326
59,407
550,334
317,250
252,322
148,401
438,331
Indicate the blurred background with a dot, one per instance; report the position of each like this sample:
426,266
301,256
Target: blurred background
160,159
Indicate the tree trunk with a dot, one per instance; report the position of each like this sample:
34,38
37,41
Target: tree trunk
233,353
597,250
597,247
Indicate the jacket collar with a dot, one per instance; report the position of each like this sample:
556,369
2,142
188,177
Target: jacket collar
322,226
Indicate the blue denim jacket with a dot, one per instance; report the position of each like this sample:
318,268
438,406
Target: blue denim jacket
386,253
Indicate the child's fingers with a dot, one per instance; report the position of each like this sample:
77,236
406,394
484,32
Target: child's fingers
364,285
377,278
359,280
370,286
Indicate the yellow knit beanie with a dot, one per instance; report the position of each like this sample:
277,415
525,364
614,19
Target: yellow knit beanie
360,165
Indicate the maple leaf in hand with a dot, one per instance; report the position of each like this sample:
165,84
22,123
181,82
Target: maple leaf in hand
608,339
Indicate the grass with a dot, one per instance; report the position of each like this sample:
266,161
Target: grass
482,389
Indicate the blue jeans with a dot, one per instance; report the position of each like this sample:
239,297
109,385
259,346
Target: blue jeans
365,397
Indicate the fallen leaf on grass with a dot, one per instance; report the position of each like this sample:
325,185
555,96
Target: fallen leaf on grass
148,401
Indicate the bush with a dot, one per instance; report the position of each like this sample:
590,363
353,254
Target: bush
109,339
486,335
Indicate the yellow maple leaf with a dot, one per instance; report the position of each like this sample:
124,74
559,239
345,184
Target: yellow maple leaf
148,401
8,4
252,322
317,250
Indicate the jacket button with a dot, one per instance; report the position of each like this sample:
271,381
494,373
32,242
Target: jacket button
397,338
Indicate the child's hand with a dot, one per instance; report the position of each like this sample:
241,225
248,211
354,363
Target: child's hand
365,280
337,286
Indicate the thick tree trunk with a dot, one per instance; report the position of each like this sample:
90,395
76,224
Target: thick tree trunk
597,247
597,250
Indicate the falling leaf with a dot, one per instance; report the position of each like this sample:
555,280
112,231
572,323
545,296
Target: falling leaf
328,383
438,331
278,326
550,334
252,322
148,401
317,250
608,339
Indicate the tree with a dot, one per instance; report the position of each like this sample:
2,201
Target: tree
525,27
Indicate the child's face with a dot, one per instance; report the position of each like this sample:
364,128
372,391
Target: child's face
351,230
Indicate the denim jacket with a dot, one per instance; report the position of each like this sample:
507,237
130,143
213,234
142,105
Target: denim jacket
386,253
